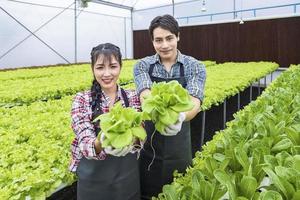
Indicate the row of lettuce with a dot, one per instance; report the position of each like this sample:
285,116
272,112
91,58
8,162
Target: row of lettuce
223,80
228,79
36,138
49,83
40,72
35,142
53,82
257,157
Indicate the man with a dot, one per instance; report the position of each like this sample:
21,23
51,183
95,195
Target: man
172,147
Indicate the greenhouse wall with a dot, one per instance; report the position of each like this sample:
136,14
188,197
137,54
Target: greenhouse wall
35,33
191,12
274,40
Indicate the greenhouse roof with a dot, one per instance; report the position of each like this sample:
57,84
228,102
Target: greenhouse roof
142,4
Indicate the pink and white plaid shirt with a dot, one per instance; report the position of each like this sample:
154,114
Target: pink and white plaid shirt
81,114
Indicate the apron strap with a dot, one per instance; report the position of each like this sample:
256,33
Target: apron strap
125,98
181,70
151,69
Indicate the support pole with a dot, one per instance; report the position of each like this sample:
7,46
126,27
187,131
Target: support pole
224,114
75,31
258,87
202,130
173,8
125,37
265,79
239,101
250,93
271,76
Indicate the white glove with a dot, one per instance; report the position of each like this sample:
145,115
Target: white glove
116,152
173,129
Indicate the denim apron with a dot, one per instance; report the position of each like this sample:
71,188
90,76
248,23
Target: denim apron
171,152
115,178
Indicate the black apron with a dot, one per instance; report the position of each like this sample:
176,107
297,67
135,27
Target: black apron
171,152
115,178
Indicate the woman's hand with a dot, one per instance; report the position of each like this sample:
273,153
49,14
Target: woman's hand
118,152
113,151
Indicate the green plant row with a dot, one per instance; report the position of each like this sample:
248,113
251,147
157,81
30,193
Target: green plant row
38,72
42,71
228,79
35,143
257,157
25,86
209,63
32,73
65,81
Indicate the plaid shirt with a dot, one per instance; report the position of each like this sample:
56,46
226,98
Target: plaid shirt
81,113
194,73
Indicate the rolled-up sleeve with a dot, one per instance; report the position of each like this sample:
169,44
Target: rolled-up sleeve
196,80
141,76
83,128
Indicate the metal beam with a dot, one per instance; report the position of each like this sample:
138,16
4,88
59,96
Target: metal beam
166,5
125,37
173,8
112,4
234,8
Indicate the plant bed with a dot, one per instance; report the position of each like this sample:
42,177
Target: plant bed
67,193
256,157
214,117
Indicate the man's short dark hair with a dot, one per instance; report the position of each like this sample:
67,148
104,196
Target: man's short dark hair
166,22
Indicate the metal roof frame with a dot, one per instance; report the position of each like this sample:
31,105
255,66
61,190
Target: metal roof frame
107,3
132,7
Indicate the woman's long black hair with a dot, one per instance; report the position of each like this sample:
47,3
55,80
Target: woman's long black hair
107,50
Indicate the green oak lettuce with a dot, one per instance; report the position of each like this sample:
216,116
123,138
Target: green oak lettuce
122,126
165,103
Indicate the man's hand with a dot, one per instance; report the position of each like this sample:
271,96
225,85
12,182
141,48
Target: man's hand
173,129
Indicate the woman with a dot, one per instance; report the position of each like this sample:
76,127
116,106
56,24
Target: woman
173,145
103,173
